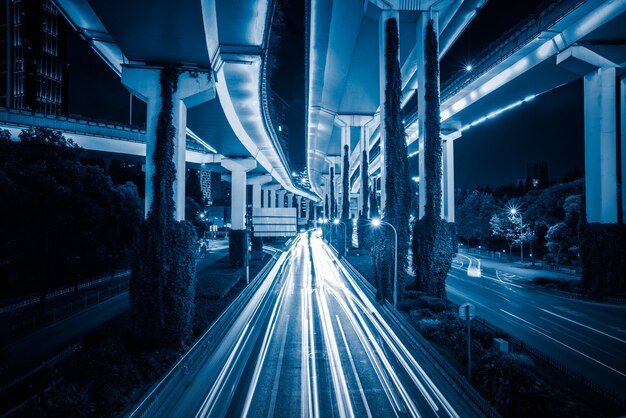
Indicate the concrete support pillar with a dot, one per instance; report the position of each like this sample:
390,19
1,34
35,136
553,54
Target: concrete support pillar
271,194
307,208
191,91
384,16
623,143
447,206
280,197
257,183
238,169
600,146
422,23
289,200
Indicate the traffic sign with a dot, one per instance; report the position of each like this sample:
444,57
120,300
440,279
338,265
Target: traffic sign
467,309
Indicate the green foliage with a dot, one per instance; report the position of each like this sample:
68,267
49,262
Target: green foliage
66,214
603,249
365,184
237,247
333,202
432,255
473,215
433,245
397,182
163,276
345,179
193,188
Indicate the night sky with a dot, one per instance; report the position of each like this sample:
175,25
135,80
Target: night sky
495,152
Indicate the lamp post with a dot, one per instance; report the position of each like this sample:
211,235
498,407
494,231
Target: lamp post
338,222
521,232
377,222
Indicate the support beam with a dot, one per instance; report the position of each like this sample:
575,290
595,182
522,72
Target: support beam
192,91
600,146
280,197
447,206
238,169
271,194
257,183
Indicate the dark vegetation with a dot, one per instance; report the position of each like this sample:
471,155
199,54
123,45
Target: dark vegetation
512,382
62,219
432,240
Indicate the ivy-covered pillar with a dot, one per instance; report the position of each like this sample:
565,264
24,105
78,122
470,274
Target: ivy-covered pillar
422,22
237,238
382,40
623,143
193,88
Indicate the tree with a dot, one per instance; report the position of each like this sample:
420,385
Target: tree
333,202
432,241
363,225
473,216
345,185
507,227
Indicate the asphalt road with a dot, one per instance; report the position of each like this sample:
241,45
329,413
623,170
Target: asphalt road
308,343
588,337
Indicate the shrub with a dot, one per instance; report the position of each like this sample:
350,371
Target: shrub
237,247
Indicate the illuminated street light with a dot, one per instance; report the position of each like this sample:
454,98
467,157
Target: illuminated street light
336,221
469,67
377,222
514,212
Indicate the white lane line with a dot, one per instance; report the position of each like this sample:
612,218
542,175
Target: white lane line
279,367
356,375
530,324
584,326
572,348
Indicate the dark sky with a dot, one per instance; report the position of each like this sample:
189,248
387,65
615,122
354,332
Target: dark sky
549,128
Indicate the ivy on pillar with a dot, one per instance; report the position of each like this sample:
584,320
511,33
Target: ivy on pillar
237,239
162,283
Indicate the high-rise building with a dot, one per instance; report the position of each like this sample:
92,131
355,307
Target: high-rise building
33,71
211,186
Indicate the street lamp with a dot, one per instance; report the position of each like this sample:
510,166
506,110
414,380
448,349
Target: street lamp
345,240
378,222
514,212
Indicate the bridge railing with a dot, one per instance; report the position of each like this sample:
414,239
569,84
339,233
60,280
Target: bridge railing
510,42
22,118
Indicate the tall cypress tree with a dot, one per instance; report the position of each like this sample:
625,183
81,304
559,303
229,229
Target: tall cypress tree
432,244
333,203
363,224
397,182
365,185
345,178
326,213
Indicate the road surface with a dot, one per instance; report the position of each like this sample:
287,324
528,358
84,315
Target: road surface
308,343
588,337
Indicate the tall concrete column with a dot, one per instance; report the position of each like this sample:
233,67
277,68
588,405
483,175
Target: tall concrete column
238,169
299,201
289,198
447,207
422,23
600,130
384,16
191,91
271,194
257,183
280,197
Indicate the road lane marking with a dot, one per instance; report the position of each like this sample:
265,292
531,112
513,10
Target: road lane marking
356,375
279,367
534,327
584,326
573,349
